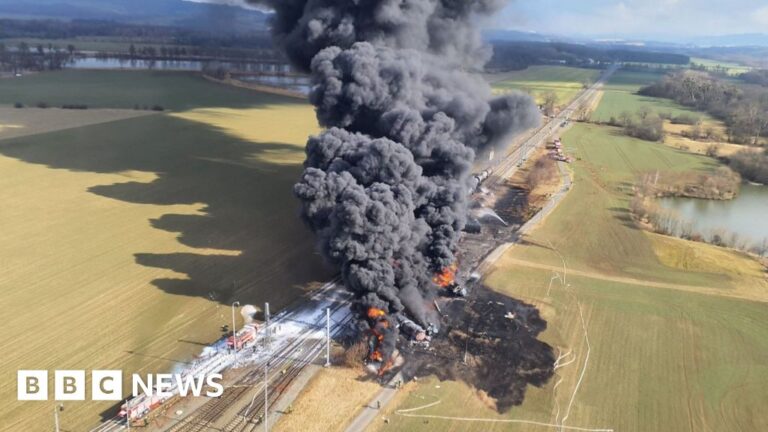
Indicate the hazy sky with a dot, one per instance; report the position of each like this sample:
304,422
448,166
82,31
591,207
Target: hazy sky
637,17
646,18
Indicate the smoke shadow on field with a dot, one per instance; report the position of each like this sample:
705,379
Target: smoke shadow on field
246,241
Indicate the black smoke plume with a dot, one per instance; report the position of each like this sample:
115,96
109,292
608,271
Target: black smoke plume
385,187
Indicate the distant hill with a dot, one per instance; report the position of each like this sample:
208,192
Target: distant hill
206,16
514,35
747,39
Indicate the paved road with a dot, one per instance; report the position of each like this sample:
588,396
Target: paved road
502,170
374,406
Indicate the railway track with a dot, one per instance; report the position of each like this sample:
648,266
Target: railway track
507,166
202,418
286,364
249,417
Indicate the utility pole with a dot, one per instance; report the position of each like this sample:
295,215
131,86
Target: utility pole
266,396
234,330
267,330
327,337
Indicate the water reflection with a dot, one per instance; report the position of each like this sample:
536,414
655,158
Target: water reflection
747,215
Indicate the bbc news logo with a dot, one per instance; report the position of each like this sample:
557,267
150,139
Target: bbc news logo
107,385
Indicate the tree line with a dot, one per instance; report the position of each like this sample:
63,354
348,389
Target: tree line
757,77
178,41
516,55
751,165
38,58
745,113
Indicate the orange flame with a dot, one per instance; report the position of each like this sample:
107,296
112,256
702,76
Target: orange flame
375,313
447,277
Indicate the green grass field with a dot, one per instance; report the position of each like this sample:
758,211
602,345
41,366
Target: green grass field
620,96
677,330
565,82
124,89
660,360
608,164
124,243
731,68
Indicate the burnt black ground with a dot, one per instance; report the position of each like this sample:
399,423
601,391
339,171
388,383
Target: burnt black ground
503,355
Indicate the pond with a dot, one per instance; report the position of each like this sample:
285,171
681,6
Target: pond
747,215
299,84
269,74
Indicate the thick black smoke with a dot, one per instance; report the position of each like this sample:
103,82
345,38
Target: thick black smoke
385,187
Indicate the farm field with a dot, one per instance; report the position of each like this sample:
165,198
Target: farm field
730,67
124,243
177,91
619,96
565,82
676,329
15,122
658,360
331,391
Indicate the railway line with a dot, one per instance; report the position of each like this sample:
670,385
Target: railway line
283,362
514,158
294,339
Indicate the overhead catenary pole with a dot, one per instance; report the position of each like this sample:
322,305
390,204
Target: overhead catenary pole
327,337
267,330
56,416
266,396
234,330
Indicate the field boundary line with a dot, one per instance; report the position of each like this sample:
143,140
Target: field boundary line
419,408
490,420
694,289
586,361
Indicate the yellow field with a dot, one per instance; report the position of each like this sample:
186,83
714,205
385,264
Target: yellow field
124,243
674,138
564,82
331,392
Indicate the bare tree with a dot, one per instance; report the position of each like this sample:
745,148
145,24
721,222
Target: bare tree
550,102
